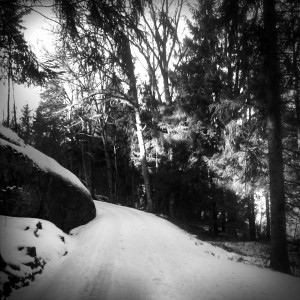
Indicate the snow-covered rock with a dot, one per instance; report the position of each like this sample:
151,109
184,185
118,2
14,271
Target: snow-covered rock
34,185
27,244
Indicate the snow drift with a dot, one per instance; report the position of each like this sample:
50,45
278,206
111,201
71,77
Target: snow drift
27,244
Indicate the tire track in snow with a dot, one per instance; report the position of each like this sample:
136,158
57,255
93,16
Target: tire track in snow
125,254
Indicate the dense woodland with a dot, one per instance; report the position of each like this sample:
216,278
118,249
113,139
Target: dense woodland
209,130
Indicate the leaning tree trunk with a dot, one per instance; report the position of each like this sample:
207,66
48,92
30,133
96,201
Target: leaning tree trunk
143,160
279,255
127,57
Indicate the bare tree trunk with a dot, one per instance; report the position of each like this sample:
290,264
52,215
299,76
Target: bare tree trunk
72,156
127,56
165,75
279,255
116,173
231,224
143,160
15,115
237,77
297,104
84,164
126,180
223,212
251,218
156,204
109,169
296,52
91,169
214,218
132,186
8,99
223,220
268,234
152,78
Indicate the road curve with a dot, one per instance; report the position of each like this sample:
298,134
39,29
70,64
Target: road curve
126,254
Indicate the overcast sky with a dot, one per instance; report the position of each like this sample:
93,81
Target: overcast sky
37,35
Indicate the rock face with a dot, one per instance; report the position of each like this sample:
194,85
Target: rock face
34,185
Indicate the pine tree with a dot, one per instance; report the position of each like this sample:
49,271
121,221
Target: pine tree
279,256
26,124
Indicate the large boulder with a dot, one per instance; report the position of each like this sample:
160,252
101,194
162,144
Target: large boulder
34,185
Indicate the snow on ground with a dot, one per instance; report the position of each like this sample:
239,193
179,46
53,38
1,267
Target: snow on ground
128,254
43,161
249,252
26,245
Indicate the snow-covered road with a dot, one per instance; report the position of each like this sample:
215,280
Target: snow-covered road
128,254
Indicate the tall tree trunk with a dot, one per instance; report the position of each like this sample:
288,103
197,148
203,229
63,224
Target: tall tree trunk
237,78
251,218
231,224
116,174
109,169
230,205
223,220
126,180
155,200
91,169
143,160
132,186
84,163
15,114
296,52
297,104
8,99
9,79
127,56
152,79
223,212
279,255
229,63
165,75
214,218
268,233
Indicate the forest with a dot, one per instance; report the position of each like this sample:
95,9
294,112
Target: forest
185,109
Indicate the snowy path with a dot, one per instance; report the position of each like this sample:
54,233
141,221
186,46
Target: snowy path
127,254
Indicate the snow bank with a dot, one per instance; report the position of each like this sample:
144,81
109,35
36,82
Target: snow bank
11,136
27,244
254,253
10,139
